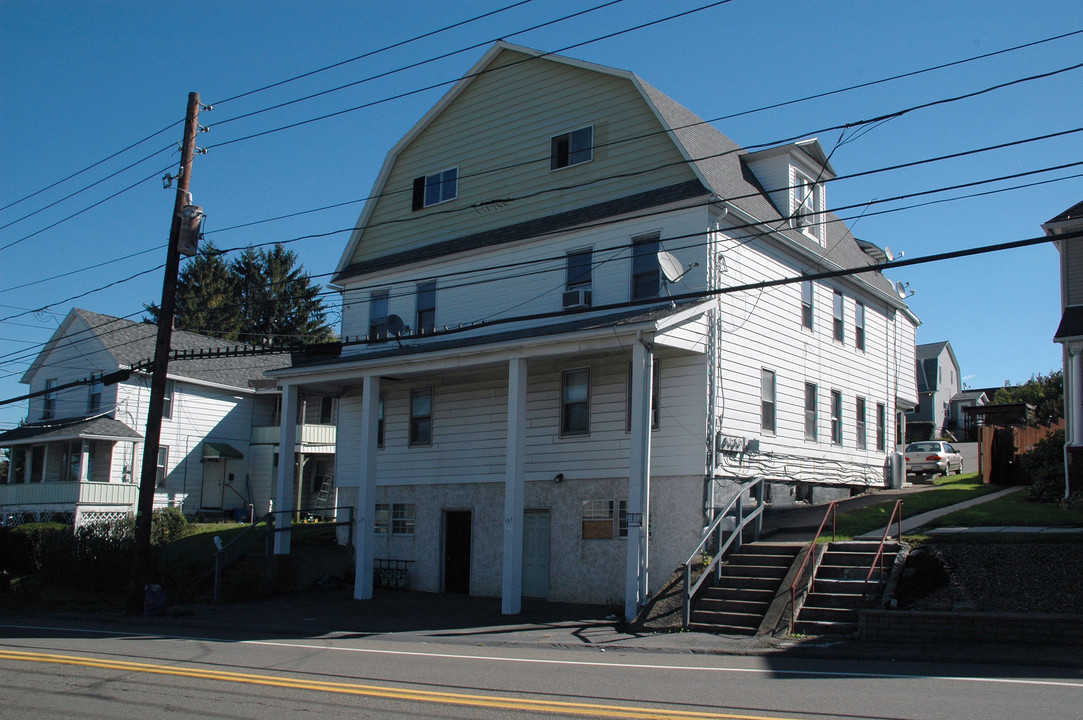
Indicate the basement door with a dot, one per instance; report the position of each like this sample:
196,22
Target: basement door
457,551
536,554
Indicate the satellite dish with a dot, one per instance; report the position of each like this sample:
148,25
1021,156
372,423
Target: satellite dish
395,326
900,290
670,266
887,251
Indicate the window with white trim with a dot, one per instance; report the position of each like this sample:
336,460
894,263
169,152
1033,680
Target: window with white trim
167,401
94,396
812,418
575,402
425,320
646,273
579,270
598,519
421,416
378,306
806,204
437,188
806,304
48,400
571,148
839,317
380,421
859,415
160,467
402,518
767,400
881,426
859,326
381,523
836,417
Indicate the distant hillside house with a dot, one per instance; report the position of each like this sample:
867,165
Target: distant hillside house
78,457
547,386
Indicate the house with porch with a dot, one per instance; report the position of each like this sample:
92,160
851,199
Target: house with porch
575,319
1065,230
76,459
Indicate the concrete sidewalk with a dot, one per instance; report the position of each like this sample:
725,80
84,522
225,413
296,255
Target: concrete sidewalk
909,524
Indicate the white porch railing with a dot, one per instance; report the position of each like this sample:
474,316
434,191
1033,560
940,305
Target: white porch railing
68,493
307,434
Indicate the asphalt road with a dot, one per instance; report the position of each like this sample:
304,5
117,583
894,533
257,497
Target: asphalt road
77,670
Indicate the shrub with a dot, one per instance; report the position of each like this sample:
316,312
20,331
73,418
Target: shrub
1044,467
21,547
919,430
167,524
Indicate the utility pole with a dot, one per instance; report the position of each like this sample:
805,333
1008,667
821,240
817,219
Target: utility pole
138,578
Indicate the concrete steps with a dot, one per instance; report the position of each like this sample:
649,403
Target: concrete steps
838,587
749,583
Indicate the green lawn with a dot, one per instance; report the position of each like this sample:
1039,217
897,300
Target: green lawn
944,491
1013,510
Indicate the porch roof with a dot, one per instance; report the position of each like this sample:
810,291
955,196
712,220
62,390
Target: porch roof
218,450
649,317
82,428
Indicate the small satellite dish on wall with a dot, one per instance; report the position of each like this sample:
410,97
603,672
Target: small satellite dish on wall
900,290
670,266
887,251
395,325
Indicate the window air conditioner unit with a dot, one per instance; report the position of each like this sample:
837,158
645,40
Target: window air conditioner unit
576,299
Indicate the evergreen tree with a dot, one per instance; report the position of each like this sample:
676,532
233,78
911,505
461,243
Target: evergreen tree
263,297
205,301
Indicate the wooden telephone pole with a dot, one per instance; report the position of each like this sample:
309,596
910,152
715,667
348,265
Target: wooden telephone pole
138,578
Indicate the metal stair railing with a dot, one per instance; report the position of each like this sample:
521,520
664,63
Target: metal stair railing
880,550
831,512
741,522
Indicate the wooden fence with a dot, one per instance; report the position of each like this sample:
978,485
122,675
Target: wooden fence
999,449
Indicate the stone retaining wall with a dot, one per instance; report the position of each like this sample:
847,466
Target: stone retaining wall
948,626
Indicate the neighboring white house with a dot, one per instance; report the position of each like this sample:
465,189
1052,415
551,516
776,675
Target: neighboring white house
1070,336
74,458
939,386
543,356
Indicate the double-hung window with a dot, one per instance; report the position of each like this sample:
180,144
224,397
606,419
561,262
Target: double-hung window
425,322
381,523
380,421
571,148
378,302
859,414
48,400
575,402
436,188
598,519
646,275
840,323
421,416
805,203
806,304
859,326
403,518
811,416
767,400
94,396
167,401
579,270
160,467
881,426
836,417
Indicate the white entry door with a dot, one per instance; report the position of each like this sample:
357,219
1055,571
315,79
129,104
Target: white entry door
214,477
536,553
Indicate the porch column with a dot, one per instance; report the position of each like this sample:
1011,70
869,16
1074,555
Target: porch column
1075,394
514,489
84,462
636,578
287,440
365,537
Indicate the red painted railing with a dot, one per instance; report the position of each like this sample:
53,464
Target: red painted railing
830,513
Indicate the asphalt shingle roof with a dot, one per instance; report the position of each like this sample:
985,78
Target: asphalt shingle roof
72,428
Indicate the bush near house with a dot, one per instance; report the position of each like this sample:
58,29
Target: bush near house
95,556
1044,468
920,430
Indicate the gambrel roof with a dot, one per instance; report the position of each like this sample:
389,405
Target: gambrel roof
717,164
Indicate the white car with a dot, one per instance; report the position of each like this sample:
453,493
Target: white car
932,457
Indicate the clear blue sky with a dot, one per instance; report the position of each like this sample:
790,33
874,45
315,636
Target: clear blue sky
83,80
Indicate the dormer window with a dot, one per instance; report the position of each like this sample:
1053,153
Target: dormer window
571,148
436,188
807,200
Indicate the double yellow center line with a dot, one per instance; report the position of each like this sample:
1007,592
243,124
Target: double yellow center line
378,691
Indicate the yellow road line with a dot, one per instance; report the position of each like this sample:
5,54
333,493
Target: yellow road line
380,691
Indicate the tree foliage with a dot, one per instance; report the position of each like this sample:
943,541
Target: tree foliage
1044,392
263,297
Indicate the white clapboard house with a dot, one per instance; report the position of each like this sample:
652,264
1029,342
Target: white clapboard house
544,387
78,457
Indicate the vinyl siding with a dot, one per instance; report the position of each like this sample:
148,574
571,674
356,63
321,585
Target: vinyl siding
498,131
1073,258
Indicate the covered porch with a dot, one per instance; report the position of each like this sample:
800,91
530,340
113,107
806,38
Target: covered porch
501,413
68,470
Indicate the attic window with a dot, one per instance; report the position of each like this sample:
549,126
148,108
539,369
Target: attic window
806,204
436,188
572,148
